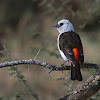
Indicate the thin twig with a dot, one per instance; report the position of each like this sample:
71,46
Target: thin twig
37,54
50,71
45,56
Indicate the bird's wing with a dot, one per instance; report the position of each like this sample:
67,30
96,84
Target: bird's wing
64,46
81,54
67,42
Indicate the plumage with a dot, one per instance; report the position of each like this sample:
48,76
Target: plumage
70,47
68,41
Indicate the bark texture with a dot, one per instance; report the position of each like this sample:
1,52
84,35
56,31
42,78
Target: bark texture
82,92
45,64
85,90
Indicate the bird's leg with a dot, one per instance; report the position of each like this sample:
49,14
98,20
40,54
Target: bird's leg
64,62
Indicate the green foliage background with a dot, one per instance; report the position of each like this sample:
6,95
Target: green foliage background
26,27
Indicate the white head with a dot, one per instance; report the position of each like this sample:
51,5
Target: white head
64,25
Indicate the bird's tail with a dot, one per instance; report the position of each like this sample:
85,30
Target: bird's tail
75,70
73,74
76,73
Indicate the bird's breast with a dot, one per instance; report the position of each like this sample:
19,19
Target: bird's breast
62,54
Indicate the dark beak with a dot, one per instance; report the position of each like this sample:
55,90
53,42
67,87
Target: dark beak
55,25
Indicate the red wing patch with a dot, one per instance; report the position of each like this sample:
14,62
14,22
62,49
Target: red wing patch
76,54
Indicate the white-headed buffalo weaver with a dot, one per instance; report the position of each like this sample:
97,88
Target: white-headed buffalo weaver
70,47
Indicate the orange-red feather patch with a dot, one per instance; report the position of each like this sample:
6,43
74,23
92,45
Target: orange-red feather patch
76,54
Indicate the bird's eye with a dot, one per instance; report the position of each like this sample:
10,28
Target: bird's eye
61,24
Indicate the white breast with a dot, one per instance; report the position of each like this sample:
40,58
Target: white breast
62,54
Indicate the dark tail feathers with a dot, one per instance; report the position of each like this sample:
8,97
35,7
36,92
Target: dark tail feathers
76,73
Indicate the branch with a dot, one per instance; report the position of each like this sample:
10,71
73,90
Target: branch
45,64
82,92
86,90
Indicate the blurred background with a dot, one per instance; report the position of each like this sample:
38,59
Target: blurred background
26,27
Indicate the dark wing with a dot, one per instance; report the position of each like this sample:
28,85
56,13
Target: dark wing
68,41
81,53
65,47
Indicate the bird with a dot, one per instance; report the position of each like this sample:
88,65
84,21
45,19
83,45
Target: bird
70,47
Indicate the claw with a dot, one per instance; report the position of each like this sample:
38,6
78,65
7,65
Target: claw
62,64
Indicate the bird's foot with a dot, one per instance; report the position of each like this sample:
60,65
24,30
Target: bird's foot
64,63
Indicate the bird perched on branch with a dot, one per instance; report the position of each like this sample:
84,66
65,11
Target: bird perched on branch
70,47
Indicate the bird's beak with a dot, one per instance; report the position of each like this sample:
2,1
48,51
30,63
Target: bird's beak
55,25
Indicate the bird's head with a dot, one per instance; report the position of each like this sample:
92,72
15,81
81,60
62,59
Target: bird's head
64,25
